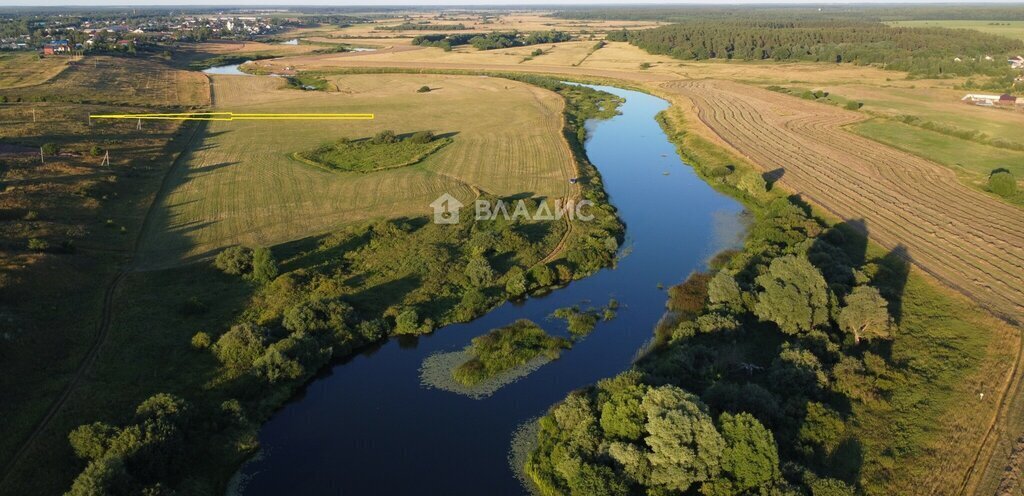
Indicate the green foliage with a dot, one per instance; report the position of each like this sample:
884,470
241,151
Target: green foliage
580,322
794,295
515,282
1002,183
241,346
478,270
50,148
852,105
423,89
506,348
383,151
408,322
96,151
542,276
234,260
38,244
750,458
922,51
264,266
201,340
866,314
689,296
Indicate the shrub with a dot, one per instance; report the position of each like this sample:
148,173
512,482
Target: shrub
851,105
96,151
264,267
423,89
537,52
542,275
235,260
50,149
36,244
721,171
407,322
422,137
1002,183
645,65
385,137
201,341
241,346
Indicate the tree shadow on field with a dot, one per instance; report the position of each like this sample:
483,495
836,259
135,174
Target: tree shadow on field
376,299
773,176
837,251
891,280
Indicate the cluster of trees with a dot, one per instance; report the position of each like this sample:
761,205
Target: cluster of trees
336,294
414,26
806,320
491,41
1003,183
920,51
506,348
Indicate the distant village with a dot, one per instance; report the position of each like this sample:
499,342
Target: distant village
59,36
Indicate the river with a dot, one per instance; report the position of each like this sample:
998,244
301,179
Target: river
368,426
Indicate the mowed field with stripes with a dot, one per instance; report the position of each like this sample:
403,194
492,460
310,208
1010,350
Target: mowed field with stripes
238,184
970,240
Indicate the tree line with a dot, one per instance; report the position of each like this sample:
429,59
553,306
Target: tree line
930,52
796,12
491,41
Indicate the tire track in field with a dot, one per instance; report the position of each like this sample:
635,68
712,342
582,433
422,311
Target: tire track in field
965,238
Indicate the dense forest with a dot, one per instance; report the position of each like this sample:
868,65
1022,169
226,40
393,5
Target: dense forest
796,12
931,52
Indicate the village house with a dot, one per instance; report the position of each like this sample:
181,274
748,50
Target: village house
58,47
1007,99
980,99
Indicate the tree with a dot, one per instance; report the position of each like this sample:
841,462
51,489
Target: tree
1002,183
515,282
407,322
479,270
866,314
685,446
723,290
750,458
794,295
91,441
241,346
423,89
542,275
385,137
50,149
422,137
234,260
264,267
36,244
201,340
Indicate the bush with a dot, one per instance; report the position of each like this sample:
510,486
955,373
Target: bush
537,52
721,171
96,151
50,149
645,65
1002,183
264,267
422,137
36,244
854,105
241,346
235,260
201,341
385,137
423,89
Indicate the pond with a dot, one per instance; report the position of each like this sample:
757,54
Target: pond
368,426
229,69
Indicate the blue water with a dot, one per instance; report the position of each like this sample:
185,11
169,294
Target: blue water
369,427
230,69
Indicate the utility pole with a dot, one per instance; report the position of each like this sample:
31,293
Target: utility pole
139,126
42,159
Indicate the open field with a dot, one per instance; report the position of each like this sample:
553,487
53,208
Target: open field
967,239
28,68
976,160
240,186
1009,29
119,80
476,23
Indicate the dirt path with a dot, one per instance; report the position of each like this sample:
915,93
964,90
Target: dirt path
106,317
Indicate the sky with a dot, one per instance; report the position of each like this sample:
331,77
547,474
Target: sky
336,3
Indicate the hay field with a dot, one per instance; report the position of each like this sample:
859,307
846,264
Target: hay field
516,21
968,240
120,81
1009,29
19,69
238,184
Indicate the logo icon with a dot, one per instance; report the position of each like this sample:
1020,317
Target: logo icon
446,209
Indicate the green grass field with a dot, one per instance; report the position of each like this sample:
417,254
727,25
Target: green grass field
969,156
973,161
239,185
1009,29
28,68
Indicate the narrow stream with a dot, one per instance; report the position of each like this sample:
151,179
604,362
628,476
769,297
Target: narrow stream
370,427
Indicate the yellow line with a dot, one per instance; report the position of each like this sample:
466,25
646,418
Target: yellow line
230,116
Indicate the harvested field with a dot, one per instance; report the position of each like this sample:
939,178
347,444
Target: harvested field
970,241
238,185
27,68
